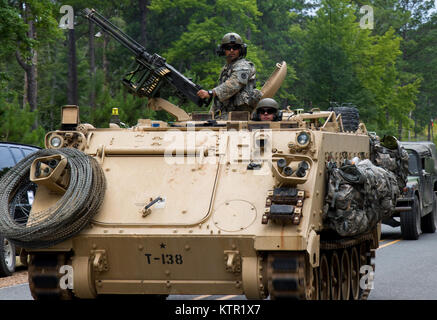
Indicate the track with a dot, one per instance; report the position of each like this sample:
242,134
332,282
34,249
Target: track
44,276
290,275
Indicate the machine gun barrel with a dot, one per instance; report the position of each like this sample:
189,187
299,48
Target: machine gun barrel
151,69
115,32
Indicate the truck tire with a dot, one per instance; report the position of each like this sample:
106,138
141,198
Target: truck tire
350,117
410,222
430,220
7,257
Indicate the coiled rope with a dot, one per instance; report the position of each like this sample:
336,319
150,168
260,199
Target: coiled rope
68,216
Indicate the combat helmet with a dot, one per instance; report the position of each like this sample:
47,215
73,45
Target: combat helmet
232,38
267,103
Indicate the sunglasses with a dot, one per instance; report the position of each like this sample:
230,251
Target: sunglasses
232,46
266,110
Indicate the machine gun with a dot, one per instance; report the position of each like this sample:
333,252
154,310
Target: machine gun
151,70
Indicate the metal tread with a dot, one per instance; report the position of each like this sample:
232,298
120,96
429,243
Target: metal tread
286,270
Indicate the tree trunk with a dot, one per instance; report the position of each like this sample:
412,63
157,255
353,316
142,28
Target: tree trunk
105,59
415,129
24,90
249,34
400,130
72,69
92,55
143,11
32,83
53,88
53,85
30,94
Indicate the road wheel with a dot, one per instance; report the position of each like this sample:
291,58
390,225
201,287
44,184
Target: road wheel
324,277
335,277
311,283
429,221
355,274
7,257
345,275
410,221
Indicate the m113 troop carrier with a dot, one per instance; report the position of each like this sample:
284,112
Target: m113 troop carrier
281,209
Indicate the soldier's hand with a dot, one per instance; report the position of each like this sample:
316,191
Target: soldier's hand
203,94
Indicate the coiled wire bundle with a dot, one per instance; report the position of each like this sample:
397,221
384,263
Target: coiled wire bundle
68,216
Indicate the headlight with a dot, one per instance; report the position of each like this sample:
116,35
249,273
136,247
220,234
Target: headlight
56,142
303,139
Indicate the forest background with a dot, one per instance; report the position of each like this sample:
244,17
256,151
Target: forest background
388,72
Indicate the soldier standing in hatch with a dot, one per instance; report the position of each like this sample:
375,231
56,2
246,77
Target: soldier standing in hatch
236,90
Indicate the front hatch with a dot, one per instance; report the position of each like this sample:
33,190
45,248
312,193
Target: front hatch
134,182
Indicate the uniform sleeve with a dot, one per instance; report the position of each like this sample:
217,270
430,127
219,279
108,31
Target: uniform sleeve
228,88
238,79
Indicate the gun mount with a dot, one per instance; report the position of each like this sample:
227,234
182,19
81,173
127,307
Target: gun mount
151,70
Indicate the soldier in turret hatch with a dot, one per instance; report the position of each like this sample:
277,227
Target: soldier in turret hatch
236,90
267,110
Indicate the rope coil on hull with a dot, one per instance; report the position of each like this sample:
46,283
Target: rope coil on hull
80,202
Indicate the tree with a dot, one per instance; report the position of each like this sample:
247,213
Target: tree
193,53
329,57
38,15
347,64
24,28
422,57
407,18
281,36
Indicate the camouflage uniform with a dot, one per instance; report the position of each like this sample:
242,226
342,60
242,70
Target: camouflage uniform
236,90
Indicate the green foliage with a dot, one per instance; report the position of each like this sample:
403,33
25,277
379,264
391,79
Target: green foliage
193,53
422,57
387,72
411,20
16,124
12,29
349,64
130,108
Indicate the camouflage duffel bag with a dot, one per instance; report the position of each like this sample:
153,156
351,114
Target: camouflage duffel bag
390,155
358,197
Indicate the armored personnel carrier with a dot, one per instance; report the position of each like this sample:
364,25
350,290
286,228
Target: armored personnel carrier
198,206
201,205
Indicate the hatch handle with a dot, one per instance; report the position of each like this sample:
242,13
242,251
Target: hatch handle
146,211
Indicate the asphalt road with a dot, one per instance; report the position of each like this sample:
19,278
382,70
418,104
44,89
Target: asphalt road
404,270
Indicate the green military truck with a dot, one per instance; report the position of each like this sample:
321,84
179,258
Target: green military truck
417,207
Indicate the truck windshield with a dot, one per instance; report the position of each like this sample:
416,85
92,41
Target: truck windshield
412,163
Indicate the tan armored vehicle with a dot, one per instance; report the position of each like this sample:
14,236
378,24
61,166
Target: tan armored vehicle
197,207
